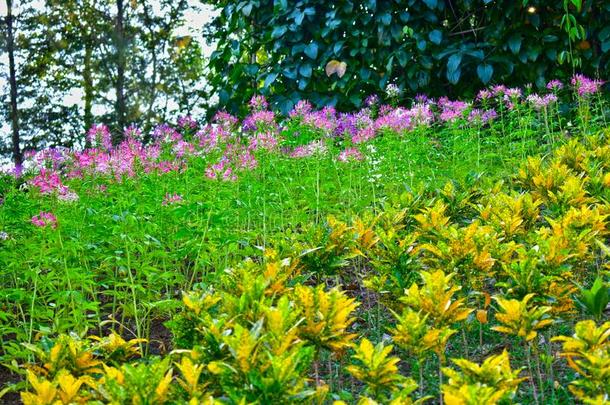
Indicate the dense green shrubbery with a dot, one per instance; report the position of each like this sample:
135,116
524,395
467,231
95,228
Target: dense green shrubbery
435,46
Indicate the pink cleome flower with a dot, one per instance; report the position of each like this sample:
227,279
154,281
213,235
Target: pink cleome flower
554,85
585,86
171,199
349,155
258,103
540,102
99,136
44,220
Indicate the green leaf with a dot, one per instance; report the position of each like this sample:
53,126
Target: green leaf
247,9
431,3
290,73
533,53
285,105
338,46
270,79
514,43
311,50
436,36
453,63
403,58
604,34
298,17
305,70
454,76
577,4
594,300
485,71
251,69
386,18
278,31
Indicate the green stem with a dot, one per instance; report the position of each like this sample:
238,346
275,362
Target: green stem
133,296
531,373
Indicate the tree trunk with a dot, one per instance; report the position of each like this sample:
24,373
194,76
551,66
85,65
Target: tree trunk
10,48
120,80
88,86
153,82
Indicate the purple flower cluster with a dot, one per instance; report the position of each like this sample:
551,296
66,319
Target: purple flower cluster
585,86
225,120
485,94
554,85
263,141
171,199
541,102
260,120
451,110
187,122
133,132
221,170
397,120
235,146
481,117
349,155
44,220
310,149
301,109
165,133
99,136
324,120
211,137
371,100
258,103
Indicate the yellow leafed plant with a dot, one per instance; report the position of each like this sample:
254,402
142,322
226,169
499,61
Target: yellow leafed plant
413,334
487,383
376,368
44,391
327,317
435,298
66,353
521,319
588,353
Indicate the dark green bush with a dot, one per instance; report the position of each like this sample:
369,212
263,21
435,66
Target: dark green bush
441,47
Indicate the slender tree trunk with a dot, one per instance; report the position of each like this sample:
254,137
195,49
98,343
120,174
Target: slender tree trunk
153,82
10,47
88,86
120,80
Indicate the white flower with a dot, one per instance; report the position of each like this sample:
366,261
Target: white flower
392,90
67,196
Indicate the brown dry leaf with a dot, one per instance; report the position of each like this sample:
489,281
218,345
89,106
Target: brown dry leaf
335,66
482,316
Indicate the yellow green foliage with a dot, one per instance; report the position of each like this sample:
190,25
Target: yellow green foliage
491,381
257,332
375,367
435,298
519,318
413,334
588,353
327,316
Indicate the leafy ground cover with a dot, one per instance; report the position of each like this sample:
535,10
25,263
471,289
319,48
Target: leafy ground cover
449,251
